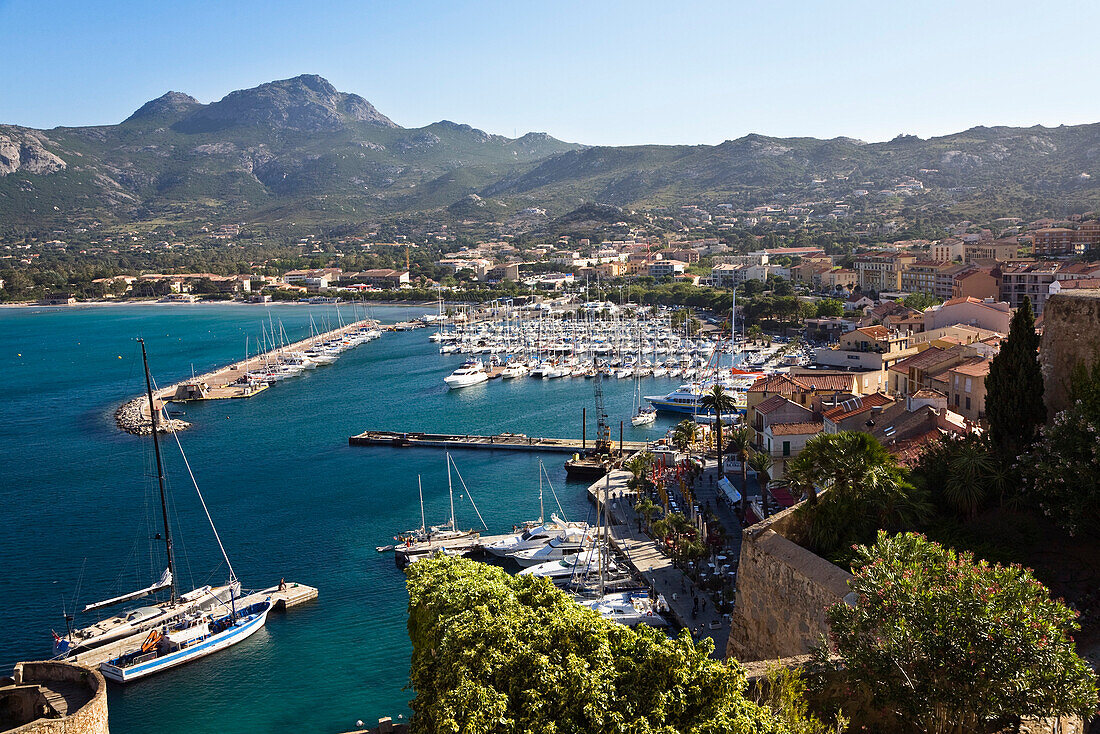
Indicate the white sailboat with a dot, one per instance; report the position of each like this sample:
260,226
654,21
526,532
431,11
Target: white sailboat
185,629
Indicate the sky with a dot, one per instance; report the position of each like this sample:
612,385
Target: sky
600,73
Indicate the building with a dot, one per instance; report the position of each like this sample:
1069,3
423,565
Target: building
966,389
991,315
1031,280
316,278
783,442
881,271
997,250
1051,241
838,279
666,268
977,282
948,250
853,413
867,348
926,276
508,271
383,278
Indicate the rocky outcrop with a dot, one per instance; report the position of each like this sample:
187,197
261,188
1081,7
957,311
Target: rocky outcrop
172,104
24,152
1071,336
133,417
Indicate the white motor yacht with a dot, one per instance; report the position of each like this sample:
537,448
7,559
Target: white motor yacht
470,373
535,537
569,542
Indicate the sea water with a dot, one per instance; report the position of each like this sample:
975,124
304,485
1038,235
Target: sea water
80,513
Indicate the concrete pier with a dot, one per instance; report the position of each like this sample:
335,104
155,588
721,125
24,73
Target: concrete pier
503,441
223,383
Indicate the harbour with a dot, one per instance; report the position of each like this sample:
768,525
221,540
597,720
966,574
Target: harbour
501,442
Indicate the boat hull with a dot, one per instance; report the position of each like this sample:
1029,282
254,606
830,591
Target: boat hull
209,646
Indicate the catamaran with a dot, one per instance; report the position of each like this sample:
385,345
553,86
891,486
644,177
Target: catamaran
184,628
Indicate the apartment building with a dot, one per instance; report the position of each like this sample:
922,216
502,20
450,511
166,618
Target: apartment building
1031,280
881,271
979,282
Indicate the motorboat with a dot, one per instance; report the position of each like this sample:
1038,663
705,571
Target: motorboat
472,372
566,543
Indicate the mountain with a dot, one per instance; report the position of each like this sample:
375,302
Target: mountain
299,150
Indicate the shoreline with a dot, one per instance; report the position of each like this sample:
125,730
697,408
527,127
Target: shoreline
158,302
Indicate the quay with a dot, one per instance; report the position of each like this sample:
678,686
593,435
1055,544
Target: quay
645,558
220,384
281,600
403,555
502,441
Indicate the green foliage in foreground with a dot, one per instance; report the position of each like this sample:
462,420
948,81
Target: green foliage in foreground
1061,472
495,653
948,644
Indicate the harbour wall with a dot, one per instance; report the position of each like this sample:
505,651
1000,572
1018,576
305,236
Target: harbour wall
78,687
1071,335
782,593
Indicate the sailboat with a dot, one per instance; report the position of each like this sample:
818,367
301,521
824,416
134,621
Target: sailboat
643,415
188,626
447,538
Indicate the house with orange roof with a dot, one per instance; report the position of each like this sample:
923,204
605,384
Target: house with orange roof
854,413
984,314
966,389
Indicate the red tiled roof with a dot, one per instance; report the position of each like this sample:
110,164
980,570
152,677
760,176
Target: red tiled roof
875,332
855,406
773,403
928,357
829,382
979,368
796,429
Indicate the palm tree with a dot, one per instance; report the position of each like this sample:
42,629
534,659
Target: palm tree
646,509
718,401
740,443
683,435
638,465
762,465
867,490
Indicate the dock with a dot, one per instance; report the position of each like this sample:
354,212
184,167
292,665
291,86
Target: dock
500,441
403,555
292,595
225,382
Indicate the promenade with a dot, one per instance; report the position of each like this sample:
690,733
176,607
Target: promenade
656,567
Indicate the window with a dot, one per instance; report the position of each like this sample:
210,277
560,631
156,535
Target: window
967,388
968,402
956,400
786,448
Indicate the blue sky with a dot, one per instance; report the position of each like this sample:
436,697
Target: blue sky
594,72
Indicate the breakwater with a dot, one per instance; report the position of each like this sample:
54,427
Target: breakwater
229,382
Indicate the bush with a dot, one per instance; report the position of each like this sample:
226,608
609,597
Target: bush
944,643
495,653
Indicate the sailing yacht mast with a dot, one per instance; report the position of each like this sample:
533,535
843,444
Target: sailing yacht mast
450,491
423,523
154,417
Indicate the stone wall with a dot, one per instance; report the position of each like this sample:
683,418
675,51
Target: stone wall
78,684
782,593
1071,334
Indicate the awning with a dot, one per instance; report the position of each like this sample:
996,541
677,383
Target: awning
729,490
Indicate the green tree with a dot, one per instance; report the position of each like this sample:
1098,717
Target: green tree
1014,387
761,463
962,474
829,307
865,490
740,443
493,653
921,301
947,644
1061,472
719,402
683,434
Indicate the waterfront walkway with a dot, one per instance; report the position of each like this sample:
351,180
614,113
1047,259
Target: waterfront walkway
657,568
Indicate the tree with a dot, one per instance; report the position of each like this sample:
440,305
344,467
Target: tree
495,653
829,307
1014,387
962,474
683,434
866,491
740,443
921,301
638,465
719,402
761,463
948,644
1061,472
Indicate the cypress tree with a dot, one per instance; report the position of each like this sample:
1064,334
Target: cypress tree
1014,388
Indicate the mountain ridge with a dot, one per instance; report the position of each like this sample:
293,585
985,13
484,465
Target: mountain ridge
300,145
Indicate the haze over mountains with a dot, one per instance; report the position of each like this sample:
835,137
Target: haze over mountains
300,149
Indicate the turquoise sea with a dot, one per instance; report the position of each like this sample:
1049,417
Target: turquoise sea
290,498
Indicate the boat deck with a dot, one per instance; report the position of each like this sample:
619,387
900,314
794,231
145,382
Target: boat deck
502,441
281,600
404,554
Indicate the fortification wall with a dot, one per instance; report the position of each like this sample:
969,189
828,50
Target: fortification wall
83,688
783,591
1071,334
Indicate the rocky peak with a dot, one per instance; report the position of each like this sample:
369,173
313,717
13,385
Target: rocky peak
175,104
306,103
